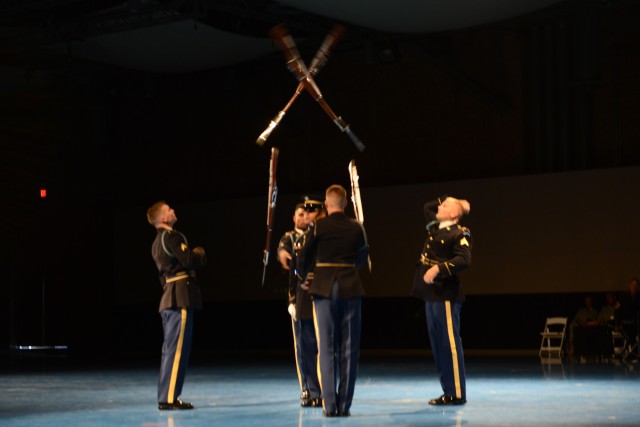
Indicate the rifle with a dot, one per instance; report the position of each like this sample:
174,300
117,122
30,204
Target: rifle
318,61
295,64
271,207
355,191
355,196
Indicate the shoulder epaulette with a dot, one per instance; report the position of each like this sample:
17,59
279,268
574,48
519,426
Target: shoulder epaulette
464,230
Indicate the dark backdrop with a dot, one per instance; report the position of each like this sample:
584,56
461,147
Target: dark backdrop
506,102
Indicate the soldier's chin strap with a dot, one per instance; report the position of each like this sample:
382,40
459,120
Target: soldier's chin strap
432,224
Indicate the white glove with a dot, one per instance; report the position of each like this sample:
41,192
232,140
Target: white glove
292,311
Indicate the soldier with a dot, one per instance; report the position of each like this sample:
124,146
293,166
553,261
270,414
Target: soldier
446,252
300,305
180,296
337,248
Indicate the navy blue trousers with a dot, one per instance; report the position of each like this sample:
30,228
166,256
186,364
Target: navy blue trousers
306,350
443,323
178,328
338,324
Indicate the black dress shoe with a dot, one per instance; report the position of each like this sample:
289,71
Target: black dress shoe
314,403
447,400
344,413
178,404
330,414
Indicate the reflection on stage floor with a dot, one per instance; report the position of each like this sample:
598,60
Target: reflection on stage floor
508,391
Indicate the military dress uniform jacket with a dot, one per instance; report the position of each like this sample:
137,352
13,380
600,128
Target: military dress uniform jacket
450,249
292,241
337,247
176,263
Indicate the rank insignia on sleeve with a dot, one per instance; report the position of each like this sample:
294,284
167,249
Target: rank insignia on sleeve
464,242
183,247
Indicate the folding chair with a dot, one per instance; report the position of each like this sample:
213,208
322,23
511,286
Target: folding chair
553,336
619,343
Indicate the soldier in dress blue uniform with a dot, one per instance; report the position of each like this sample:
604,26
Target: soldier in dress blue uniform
176,262
446,252
337,248
300,305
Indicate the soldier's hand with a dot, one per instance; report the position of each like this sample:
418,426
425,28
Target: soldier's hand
292,311
466,207
431,274
284,257
199,253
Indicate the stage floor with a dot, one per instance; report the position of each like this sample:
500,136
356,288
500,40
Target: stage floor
390,391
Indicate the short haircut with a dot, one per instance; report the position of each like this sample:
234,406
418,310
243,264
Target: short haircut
154,211
459,207
339,193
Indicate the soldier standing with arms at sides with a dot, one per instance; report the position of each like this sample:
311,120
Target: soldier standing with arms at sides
446,252
300,305
337,248
180,296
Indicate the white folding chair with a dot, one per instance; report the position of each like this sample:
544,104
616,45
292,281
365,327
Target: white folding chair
619,343
553,336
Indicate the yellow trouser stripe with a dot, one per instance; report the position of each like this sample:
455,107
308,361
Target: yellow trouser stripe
176,359
315,326
454,350
295,352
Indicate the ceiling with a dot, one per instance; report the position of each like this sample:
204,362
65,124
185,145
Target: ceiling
178,36
419,16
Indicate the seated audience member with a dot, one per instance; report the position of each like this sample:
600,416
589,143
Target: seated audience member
606,316
584,338
587,315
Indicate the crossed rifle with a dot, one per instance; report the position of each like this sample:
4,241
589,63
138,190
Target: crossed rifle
305,75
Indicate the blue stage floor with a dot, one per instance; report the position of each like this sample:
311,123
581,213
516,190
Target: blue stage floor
389,391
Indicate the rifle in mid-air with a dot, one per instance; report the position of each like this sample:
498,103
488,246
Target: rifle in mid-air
318,61
271,207
296,65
